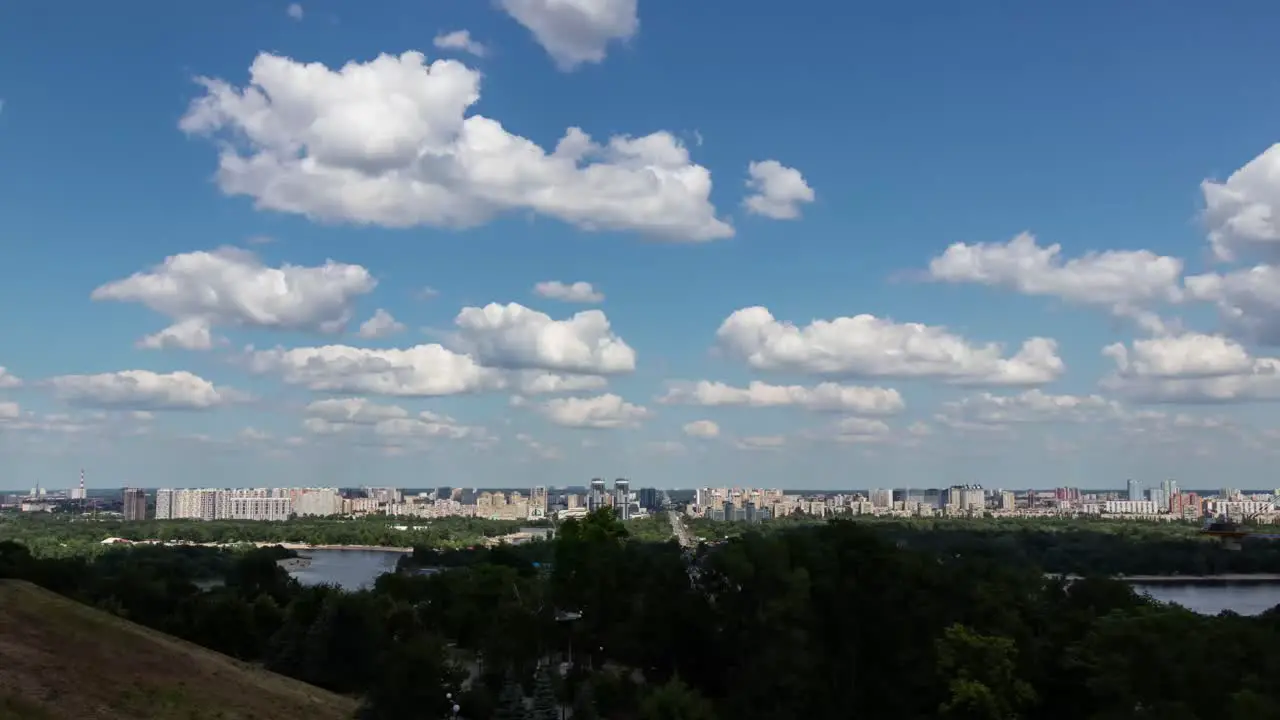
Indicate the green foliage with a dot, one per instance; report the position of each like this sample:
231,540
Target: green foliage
874,619
65,536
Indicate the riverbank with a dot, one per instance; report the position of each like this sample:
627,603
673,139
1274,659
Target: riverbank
1223,579
294,564
362,548
262,544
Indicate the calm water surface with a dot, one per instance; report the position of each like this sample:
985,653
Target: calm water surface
1246,599
350,569
356,569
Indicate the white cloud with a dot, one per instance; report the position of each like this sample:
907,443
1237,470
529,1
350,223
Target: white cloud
460,40
8,379
1243,214
1191,368
380,325
578,292
10,411
1031,406
702,429
868,346
600,412
515,337
760,442
294,11
231,287
574,32
534,382
861,430
142,390
540,450
253,435
419,371
189,334
777,190
496,347
826,397
1249,300
1116,278
383,424
354,411
389,143
427,292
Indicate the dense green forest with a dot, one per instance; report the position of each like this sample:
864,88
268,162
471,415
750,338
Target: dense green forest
58,534
833,620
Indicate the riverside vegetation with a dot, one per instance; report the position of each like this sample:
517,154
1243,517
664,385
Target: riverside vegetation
841,619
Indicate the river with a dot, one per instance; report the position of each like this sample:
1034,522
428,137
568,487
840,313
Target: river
355,569
1245,599
349,569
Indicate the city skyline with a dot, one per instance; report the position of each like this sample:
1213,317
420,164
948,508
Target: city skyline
454,244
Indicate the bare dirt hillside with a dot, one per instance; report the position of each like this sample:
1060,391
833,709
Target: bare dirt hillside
60,659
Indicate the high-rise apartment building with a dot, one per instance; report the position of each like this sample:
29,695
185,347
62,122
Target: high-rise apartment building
164,504
538,503
596,495
1135,491
316,502
622,498
135,504
650,499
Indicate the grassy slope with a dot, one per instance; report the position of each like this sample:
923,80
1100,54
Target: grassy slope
60,659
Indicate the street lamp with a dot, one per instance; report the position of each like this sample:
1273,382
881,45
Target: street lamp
452,705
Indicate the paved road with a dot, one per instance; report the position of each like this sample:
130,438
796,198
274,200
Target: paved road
678,527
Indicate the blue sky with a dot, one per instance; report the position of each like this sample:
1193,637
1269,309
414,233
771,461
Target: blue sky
176,177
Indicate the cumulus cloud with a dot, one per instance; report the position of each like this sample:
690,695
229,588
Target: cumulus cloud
495,347
760,442
602,412
8,379
536,382
777,191
867,346
389,142
515,337
231,287
705,429
381,324
825,397
383,424
574,32
419,371
1242,214
460,40
578,292
861,430
1249,300
1191,368
540,450
189,334
1031,406
142,390
1123,278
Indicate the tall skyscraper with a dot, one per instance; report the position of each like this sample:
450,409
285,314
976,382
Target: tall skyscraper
135,504
596,495
622,498
1135,490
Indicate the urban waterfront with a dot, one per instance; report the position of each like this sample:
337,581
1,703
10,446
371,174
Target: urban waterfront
356,569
